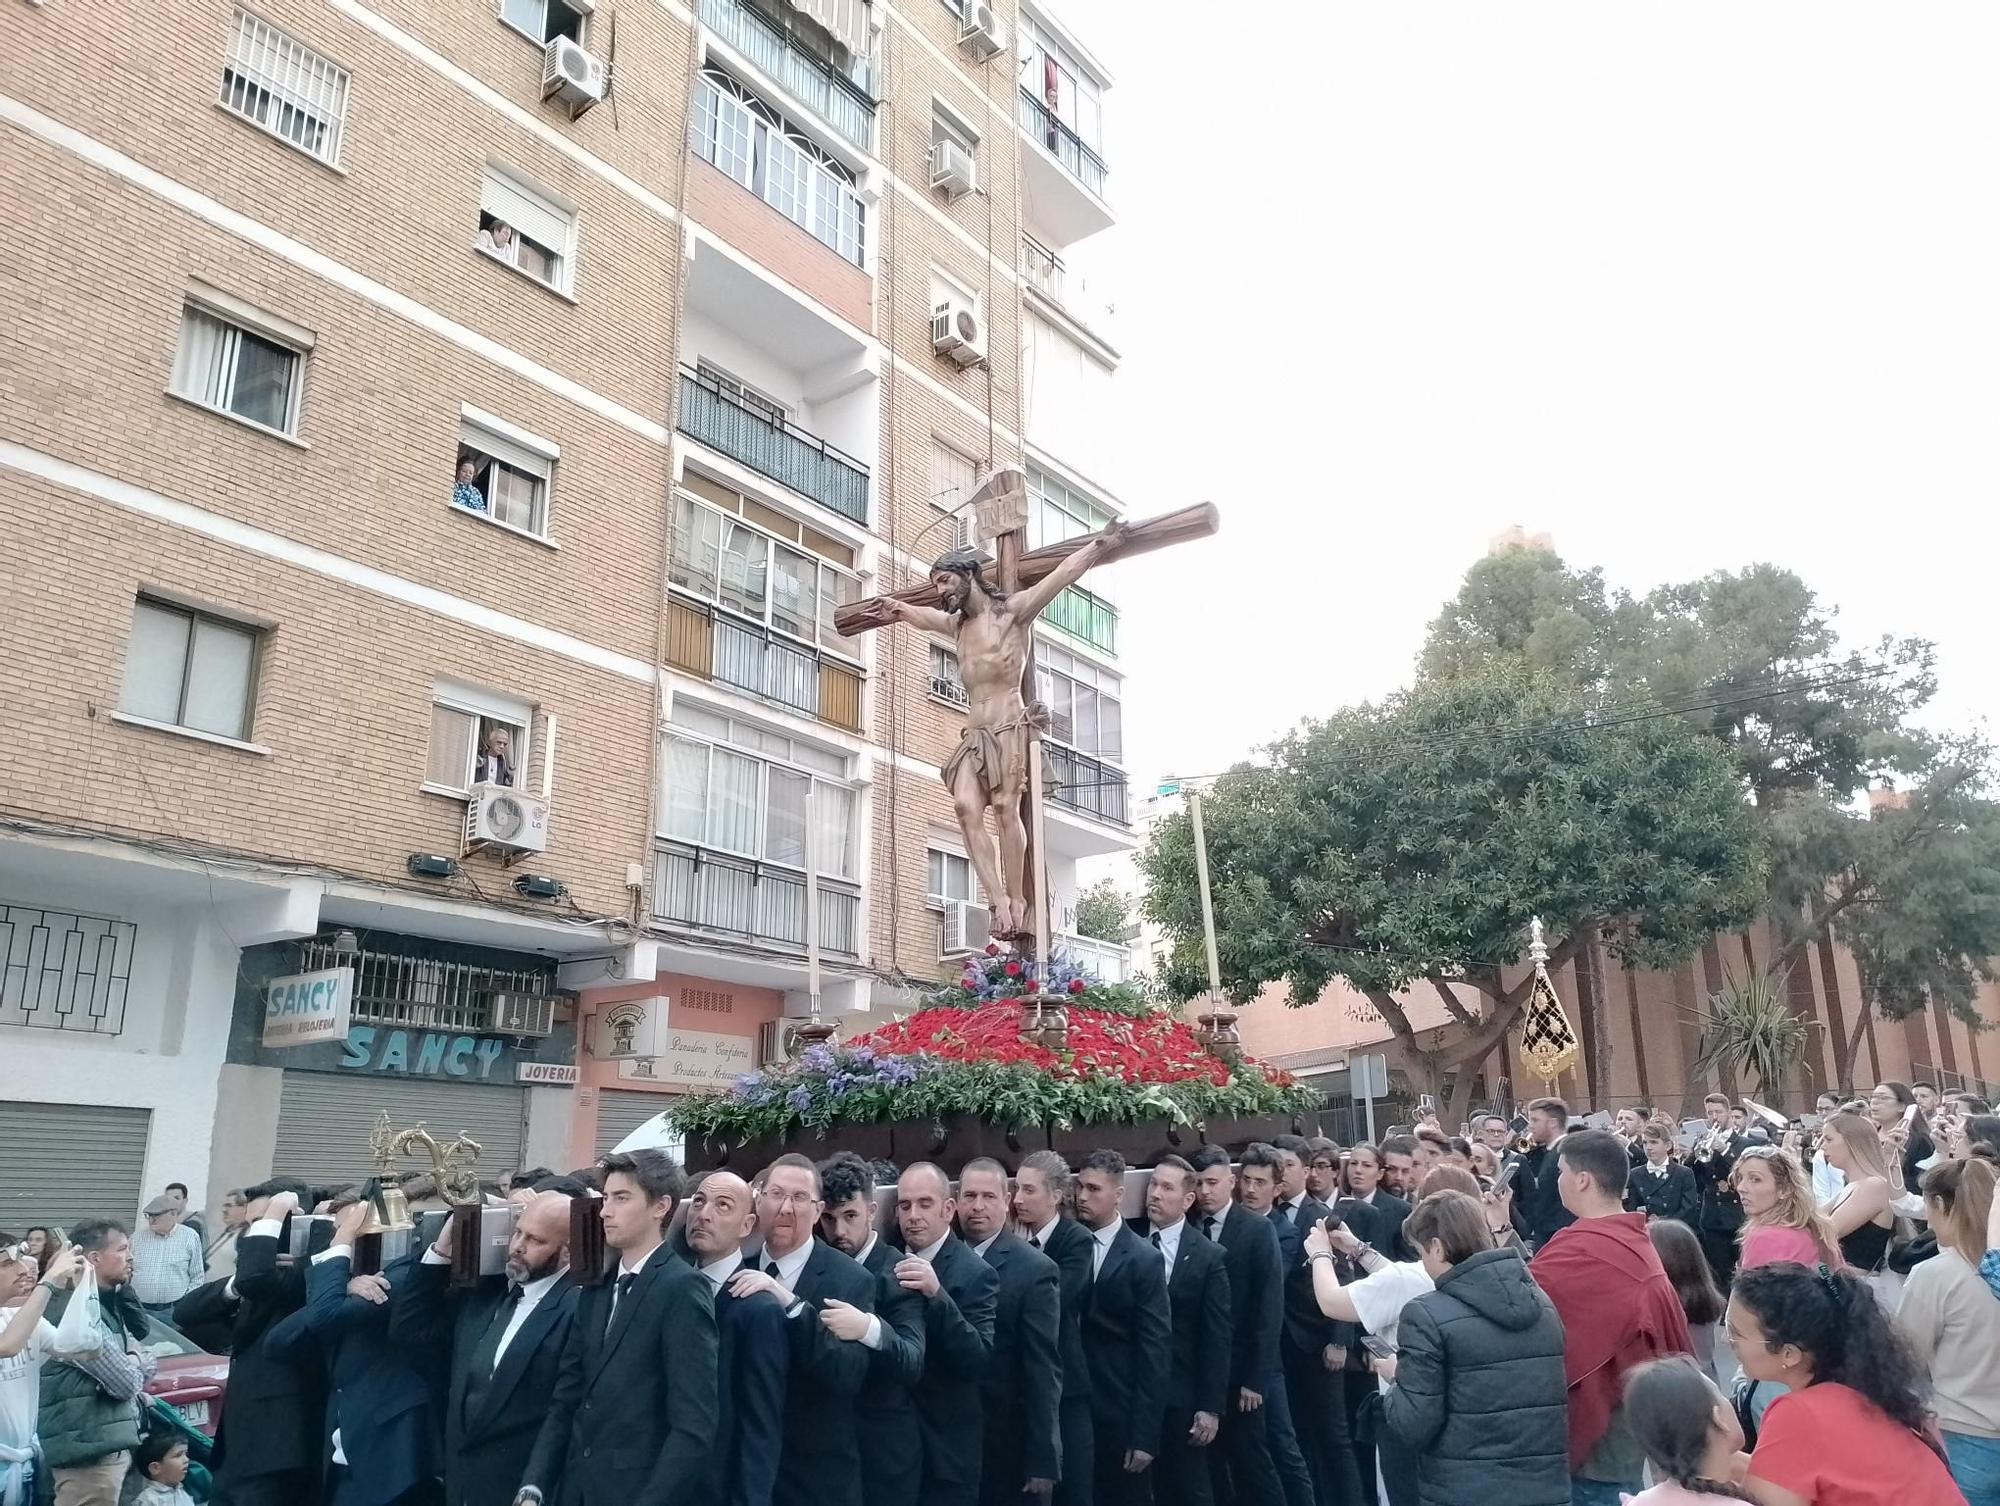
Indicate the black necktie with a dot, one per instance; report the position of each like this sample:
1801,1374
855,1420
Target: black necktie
487,1356
1208,1225
1156,1240
618,1296
1035,1240
771,1270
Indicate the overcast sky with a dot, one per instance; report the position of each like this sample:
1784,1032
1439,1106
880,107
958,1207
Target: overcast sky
1687,286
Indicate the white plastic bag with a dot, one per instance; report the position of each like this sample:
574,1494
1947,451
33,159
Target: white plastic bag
80,1330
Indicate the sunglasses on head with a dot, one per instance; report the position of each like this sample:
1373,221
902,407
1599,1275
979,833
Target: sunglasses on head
1760,1152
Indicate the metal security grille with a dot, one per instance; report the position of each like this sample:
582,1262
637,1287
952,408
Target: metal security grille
423,992
325,1118
63,1162
60,971
619,1113
285,87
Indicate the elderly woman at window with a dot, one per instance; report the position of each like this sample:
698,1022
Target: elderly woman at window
465,490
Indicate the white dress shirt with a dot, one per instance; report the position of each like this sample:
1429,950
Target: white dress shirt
725,1265
985,1244
531,1296
1170,1242
1041,1237
1292,1206
1100,1246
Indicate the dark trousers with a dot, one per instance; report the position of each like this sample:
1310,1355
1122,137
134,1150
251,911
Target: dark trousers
1282,1434
1398,1462
1116,1485
1721,1248
1319,1411
1182,1468
1357,1387
1239,1465
1078,1485
292,1487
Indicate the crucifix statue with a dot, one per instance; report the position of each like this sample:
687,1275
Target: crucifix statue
992,622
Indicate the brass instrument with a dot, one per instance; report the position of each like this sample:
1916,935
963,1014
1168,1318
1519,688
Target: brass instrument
457,1182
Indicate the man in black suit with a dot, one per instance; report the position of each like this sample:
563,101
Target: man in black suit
634,1414
959,1292
892,1472
1258,1459
755,1346
819,1463
1197,1278
1659,1187
379,1420
1539,1213
1041,1192
504,1342
267,1448
1023,1383
1127,1339
1713,1162
1312,1346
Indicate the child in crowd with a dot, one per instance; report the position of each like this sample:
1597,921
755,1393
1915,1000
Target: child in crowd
162,1460
1690,1434
1694,1283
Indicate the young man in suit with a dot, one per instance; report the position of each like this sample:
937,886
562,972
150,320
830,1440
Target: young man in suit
380,1420
1538,1207
1258,1458
819,1463
1127,1339
267,1448
959,1292
1658,1186
1312,1346
503,1342
1041,1193
755,1348
634,1414
1023,1385
892,1472
1197,1277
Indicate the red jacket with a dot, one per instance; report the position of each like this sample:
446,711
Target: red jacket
1618,1310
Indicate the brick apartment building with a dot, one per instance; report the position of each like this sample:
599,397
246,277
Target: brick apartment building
386,378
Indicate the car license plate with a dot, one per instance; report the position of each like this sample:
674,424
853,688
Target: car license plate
196,1412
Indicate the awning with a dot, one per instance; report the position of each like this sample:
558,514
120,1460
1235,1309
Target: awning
847,20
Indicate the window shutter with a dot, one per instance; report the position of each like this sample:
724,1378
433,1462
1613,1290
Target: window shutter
527,211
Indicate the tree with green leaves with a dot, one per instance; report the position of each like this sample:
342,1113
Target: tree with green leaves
1103,912
1408,844
1751,659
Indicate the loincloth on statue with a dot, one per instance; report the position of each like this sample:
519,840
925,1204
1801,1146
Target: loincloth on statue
982,748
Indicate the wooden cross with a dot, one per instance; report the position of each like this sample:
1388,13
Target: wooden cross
984,769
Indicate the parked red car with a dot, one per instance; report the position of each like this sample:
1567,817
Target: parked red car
189,1377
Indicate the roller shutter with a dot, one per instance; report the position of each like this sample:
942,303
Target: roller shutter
619,1113
63,1162
325,1118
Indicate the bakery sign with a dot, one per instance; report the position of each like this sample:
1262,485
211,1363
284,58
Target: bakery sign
692,1058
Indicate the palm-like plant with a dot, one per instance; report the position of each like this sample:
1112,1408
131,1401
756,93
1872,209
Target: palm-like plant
1747,1028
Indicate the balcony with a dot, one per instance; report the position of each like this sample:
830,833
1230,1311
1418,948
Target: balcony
763,902
1084,616
729,650
842,97
772,447
1106,960
1064,180
1086,785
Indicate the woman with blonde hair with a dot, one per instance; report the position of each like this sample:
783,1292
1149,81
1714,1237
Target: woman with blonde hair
1780,1219
1859,1213
1952,1324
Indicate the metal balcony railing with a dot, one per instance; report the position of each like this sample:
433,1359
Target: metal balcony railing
734,651
1086,785
718,891
1083,164
1042,267
1106,960
424,992
843,98
786,453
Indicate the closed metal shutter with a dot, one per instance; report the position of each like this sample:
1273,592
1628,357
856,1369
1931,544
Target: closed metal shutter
619,1113
63,1162
325,1118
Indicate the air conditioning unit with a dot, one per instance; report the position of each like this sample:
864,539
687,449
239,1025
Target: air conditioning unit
572,75
498,815
957,332
984,34
521,1014
774,1042
951,169
967,929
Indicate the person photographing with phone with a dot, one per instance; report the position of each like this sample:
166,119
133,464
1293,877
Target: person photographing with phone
88,1420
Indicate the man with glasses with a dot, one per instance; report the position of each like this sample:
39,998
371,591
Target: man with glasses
1322,1170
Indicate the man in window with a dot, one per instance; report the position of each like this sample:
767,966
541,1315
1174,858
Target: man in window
495,764
465,490
497,239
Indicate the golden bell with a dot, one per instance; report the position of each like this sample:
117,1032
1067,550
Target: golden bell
388,1210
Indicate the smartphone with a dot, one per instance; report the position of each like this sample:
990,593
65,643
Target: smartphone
1506,1178
1518,1124
1426,1107
1910,1115
1381,1348
1333,1222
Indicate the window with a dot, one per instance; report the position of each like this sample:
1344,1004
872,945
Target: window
946,683
1057,513
741,392
527,230
476,738
1048,73
740,135
741,788
285,87
185,668
1085,616
1085,702
544,20
951,878
724,560
236,361
503,473
954,478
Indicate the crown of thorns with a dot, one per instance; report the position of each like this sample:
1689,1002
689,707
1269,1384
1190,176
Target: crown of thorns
960,562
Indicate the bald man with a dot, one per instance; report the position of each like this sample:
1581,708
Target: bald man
506,1339
755,1355
959,1292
